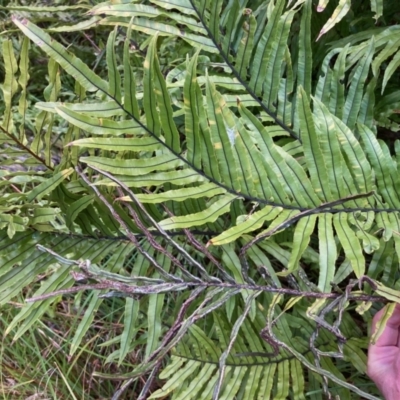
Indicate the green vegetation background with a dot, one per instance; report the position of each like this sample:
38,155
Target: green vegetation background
199,198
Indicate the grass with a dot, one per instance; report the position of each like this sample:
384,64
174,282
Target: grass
38,365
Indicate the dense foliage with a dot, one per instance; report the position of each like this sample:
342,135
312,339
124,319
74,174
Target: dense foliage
218,179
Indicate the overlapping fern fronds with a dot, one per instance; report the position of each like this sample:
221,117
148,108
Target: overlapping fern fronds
208,189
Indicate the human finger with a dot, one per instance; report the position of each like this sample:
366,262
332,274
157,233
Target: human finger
390,336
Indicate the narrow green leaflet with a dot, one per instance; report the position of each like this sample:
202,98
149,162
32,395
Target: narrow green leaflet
341,10
301,176
86,321
391,48
387,293
132,306
230,19
286,88
100,126
130,101
80,26
259,64
46,9
276,58
208,154
327,252
44,122
252,167
222,143
243,149
151,27
134,167
119,144
245,47
214,26
155,311
232,385
23,82
192,126
389,309
183,6
367,108
169,128
331,150
350,243
221,206
223,81
323,88
337,95
105,109
298,381
274,165
76,207
10,85
180,177
114,77
48,185
125,10
283,380
356,159
141,10
73,65
149,97
301,239
206,190
131,313
304,66
391,69
249,224
44,214
267,382
354,96
312,150
385,170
